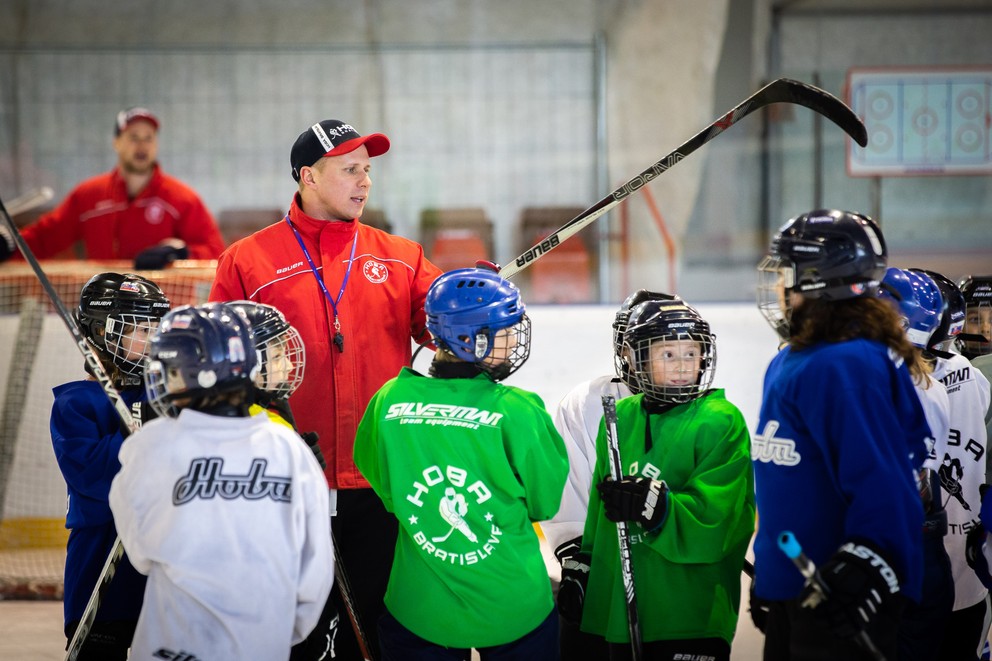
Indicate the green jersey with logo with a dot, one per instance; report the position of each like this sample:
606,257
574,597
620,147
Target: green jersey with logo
687,574
467,466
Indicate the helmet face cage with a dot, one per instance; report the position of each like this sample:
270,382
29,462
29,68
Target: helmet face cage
673,352
919,301
278,346
117,313
977,292
282,362
479,317
198,353
772,296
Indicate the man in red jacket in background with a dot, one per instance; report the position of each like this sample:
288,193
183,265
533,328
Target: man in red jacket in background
356,295
135,211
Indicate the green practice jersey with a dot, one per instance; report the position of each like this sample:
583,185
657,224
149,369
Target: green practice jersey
467,466
687,574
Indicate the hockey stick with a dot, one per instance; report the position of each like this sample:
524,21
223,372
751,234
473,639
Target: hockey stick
623,534
96,368
789,545
783,90
344,586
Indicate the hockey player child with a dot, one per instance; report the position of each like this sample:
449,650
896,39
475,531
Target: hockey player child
116,312
962,473
977,292
226,513
919,302
687,486
577,419
467,465
841,438
281,365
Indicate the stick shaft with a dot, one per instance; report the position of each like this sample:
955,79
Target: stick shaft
623,532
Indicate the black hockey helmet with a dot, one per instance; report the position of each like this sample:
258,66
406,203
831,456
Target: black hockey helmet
826,254
278,347
952,318
620,325
977,292
198,353
111,306
656,321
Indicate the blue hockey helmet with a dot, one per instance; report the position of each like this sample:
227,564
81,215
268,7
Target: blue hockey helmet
919,301
197,353
466,311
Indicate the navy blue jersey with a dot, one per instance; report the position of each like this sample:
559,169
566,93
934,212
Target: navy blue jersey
86,437
840,436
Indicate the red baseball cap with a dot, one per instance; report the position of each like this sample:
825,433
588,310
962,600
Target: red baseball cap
126,117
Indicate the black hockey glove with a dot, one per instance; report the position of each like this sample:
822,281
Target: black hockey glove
572,591
858,581
568,550
311,438
638,499
161,255
7,245
758,608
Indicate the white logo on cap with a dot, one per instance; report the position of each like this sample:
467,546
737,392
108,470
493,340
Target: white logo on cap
325,141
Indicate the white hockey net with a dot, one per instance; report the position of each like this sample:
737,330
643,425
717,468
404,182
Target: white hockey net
37,353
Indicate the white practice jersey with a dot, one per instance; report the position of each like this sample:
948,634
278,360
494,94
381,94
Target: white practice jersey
229,519
937,408
577,420
962,467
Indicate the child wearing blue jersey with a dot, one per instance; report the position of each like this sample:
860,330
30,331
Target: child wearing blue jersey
116,313
840,440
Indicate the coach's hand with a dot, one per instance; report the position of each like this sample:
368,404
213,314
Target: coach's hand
161,255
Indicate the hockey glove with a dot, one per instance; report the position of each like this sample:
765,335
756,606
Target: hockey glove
161,255
572,591
7,245
858,582
311,438
568,550
976,553
758,608
638,499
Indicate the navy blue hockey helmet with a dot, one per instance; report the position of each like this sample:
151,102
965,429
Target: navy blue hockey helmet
197,353
479,317
822,254
278,347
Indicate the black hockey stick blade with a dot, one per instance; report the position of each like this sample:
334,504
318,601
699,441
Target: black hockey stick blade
782,90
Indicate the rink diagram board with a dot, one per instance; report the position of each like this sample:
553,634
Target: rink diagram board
921,121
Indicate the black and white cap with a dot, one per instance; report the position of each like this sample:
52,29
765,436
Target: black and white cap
332,137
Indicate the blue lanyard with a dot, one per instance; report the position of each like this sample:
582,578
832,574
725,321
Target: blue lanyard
338,337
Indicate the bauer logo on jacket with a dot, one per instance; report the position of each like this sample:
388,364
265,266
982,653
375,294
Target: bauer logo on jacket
376,272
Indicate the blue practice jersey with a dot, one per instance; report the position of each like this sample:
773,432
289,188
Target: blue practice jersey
86,438
840,436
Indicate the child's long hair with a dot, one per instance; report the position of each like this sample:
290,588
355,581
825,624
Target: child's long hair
818,321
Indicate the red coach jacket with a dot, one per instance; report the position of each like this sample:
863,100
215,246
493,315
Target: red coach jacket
382,307
111,226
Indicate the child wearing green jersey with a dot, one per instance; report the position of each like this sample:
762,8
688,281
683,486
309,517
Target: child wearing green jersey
688,488
467,465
